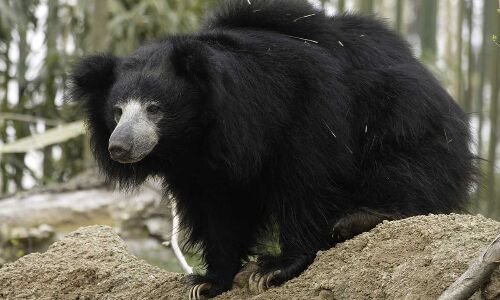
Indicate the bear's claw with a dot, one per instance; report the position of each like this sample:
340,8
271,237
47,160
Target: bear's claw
195,293
259,283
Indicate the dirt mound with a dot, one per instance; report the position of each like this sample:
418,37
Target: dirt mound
415,258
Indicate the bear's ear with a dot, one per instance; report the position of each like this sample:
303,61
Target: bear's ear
190,59
93,75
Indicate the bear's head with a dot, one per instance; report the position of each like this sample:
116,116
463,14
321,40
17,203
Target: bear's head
145,109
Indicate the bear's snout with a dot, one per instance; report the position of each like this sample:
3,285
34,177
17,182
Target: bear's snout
135,135
119,151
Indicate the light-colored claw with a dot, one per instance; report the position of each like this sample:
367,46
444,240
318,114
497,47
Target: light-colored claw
198,292
259,283
253,281
195,293
242,279
192,292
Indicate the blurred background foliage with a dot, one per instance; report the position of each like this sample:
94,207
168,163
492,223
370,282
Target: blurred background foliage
42,140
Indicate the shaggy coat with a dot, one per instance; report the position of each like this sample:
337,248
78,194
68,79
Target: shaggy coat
276,116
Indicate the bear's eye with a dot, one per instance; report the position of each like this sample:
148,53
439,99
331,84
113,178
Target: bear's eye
153,109
117,113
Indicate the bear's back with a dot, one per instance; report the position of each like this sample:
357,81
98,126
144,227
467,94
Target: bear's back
357,37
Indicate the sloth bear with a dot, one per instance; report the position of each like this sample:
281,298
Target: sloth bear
276,117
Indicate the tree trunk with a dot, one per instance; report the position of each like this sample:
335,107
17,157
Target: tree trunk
4,107
366,6
459,72
399,15
470,61
49,108
341,6
494,61
427,16
98,30
480,85
21,129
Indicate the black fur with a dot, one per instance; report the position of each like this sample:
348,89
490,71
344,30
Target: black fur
315,125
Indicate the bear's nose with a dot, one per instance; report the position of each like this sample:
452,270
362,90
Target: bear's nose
119,151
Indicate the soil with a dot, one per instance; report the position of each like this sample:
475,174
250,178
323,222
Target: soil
414,258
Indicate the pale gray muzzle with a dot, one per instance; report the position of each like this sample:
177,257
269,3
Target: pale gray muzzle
135,136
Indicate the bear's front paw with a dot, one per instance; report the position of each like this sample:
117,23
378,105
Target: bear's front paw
256,279
202,287
261,282
198,291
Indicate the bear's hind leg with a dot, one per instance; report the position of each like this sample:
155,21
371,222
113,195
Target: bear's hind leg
358,222
294,259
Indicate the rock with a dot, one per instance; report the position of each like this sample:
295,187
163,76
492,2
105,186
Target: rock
90,263
415,258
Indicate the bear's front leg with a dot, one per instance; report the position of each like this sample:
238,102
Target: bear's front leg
300,240
224,227
223,251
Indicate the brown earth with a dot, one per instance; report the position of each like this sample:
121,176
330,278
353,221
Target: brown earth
415,258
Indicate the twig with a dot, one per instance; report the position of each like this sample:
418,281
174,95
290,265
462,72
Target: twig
478,273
